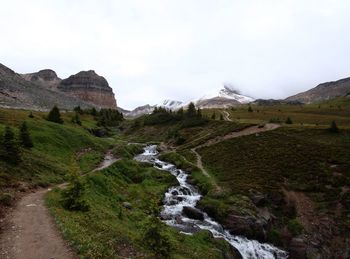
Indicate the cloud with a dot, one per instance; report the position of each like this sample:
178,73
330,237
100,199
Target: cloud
150,50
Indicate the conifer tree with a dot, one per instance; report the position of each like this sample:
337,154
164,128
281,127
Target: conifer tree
221,117
31,115
250,109
10,150
191,111
213,116
199,113
24,136
54,115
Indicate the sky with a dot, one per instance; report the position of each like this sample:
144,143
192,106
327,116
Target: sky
151,50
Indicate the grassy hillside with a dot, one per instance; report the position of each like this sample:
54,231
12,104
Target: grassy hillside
57,148
320,114
309,164
109,230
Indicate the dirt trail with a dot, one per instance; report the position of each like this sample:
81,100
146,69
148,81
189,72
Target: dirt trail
247,131
31,232
226,116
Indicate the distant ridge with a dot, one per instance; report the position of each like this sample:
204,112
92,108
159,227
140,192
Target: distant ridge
323,92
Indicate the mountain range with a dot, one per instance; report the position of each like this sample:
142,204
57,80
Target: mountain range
43,89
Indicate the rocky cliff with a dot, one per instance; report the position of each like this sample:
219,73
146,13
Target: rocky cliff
89,87
323,92
46,77
41,90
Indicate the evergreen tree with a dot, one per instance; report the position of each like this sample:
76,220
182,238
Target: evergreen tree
25,138
199,113
93,112
73,197
250,109
334,128
76,119
31,115
180,112
77,109
191,111
54,115
221,117
289,121
10,150
213,116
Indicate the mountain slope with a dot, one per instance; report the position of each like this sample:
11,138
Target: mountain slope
43,89
322,92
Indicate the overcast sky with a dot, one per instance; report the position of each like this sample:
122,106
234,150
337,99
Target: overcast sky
150,50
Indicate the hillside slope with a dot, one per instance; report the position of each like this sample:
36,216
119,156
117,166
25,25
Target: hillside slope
322,92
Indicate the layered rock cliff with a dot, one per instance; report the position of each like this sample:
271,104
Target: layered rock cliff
90,87
41,90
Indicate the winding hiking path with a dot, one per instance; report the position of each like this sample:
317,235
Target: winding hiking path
31,232
247,131
226,116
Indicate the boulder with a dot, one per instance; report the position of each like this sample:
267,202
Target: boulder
258,200
193,213
127,205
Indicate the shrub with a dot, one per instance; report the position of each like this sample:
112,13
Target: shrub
6,199
294,227
289,121
250,109
31,115
334,128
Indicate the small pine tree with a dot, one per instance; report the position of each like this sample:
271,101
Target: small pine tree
199,113
25,138
31,115
213,116
191,111
54,115
250,109
73,196
93,111
221,117
76,119
156,239
77,109
334,128
289,121
10,150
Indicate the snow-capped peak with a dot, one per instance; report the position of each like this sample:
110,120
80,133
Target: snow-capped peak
170,104
231,93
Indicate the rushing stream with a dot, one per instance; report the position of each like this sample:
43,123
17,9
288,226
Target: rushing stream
186,195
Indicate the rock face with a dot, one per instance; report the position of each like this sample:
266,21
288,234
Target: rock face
46,77
323,92
89,87
193,213
44,89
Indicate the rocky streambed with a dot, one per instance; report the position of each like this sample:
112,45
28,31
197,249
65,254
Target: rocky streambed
179,211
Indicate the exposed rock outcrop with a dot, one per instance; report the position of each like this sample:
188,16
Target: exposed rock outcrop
89,87
46,77
41,90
